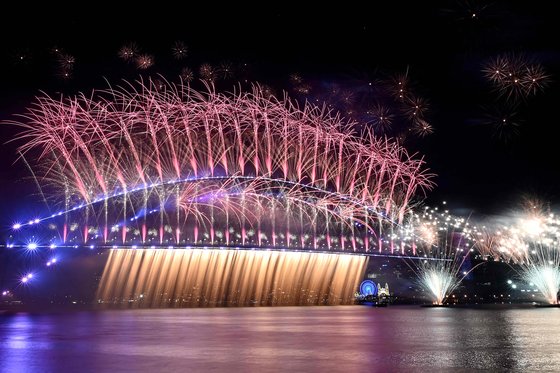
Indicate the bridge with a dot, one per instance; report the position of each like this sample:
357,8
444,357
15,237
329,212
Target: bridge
250,192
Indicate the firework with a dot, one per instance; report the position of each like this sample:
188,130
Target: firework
467,11
179,50
387,105
225,70
530,245
129,52
159,163
21,57
187,75
422,128
66,61
207,72
381,118
144,61
443,244
504,120
515,76
415,108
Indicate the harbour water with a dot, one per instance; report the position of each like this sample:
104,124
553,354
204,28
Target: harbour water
283,339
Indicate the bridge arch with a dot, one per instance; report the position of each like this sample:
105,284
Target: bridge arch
145,164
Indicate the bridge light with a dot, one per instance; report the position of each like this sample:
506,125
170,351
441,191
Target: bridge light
25,279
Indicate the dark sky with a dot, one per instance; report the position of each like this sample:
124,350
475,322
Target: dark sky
441,46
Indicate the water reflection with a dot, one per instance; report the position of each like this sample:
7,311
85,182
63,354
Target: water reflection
271,339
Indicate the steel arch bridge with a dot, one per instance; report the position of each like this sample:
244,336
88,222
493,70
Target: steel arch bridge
150,165
267,198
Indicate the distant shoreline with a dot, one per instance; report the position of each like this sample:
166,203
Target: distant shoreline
49,309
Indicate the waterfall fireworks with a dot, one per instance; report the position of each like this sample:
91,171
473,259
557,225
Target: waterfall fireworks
210,278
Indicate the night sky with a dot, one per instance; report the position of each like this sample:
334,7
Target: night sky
442,49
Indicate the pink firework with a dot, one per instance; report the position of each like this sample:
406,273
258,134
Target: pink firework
144,61
208,73
186,75
129,52
159,162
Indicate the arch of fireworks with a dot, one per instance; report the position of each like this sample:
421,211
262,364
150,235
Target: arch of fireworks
157,166
123,154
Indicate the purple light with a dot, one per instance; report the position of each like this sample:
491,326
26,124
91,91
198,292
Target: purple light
24,279
5,292
31,246
52,246
16,226
30,275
